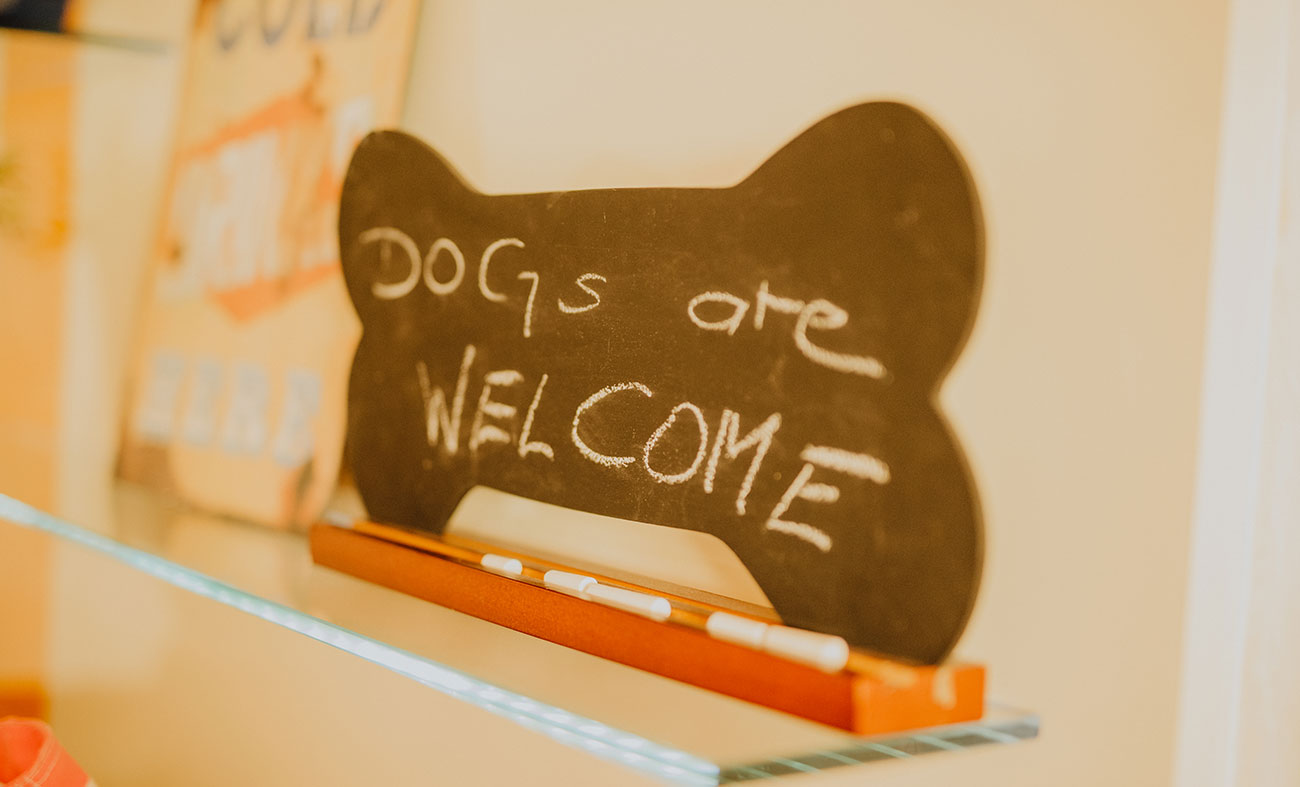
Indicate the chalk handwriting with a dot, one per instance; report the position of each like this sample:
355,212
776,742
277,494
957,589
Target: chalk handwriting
438,421
457,257
592,401
495,422
813,535
389,236
685,475
532,295
481,432
493,248
424,268
759,439
527,446
862,466
581,281
817,315
738,308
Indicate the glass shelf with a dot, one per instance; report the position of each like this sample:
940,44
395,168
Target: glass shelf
657,726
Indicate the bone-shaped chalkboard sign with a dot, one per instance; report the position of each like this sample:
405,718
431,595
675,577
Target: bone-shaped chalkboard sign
757,362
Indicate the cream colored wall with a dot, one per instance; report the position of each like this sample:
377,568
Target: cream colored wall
1269,702
1240,693
1091,129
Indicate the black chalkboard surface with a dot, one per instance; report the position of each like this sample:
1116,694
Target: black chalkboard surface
757,362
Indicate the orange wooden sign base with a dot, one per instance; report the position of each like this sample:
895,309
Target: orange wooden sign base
864,704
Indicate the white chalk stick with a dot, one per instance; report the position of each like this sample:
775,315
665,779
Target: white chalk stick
568,582
644,604
337,519
826,652
502,564
737,630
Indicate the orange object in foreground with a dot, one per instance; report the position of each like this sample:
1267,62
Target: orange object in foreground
858,703
31,757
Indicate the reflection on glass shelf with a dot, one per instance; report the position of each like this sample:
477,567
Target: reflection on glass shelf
666,729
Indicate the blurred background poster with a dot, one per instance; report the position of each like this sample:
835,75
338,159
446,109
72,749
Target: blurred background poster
238,388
